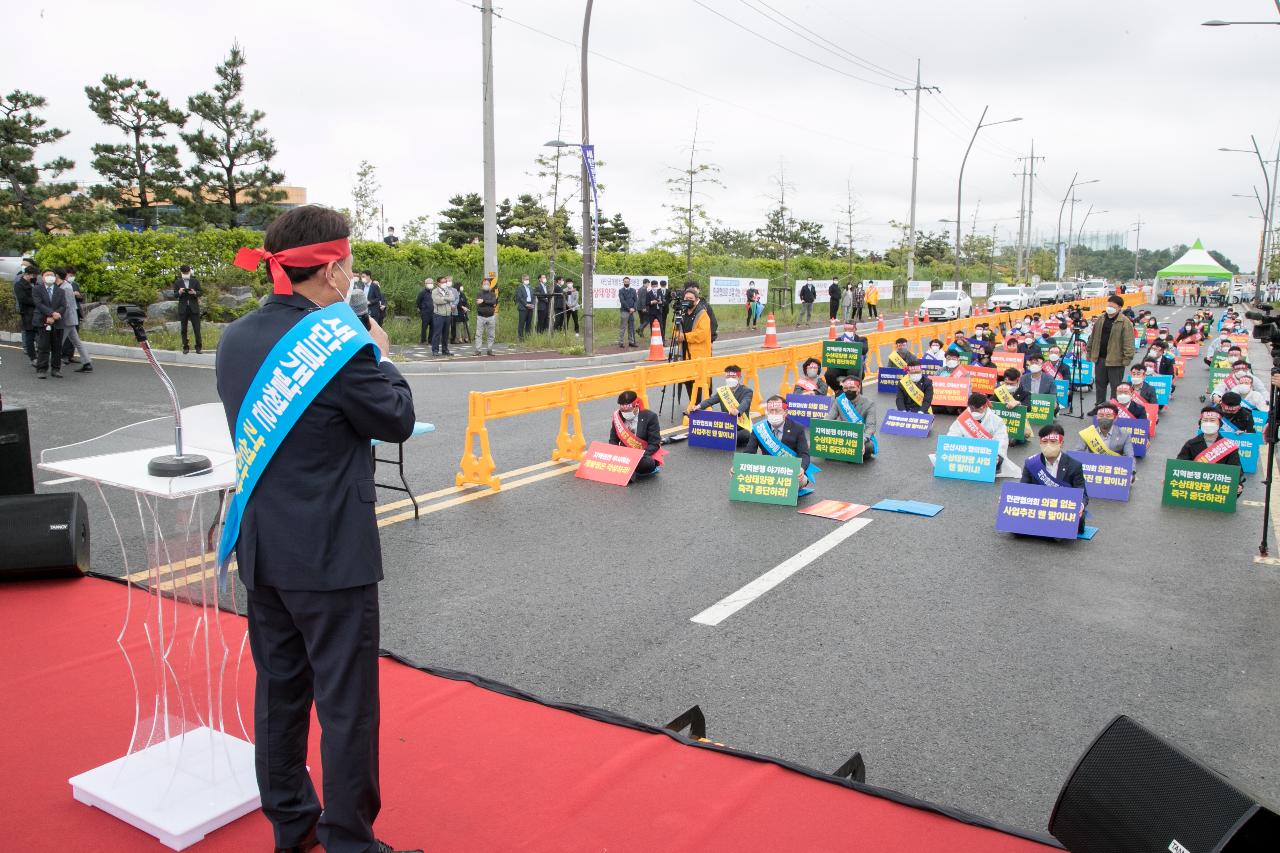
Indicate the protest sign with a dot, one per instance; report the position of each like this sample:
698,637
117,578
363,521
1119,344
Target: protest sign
918,289
1187,349
1139,433
951,391
1035,510
1250,449
733,291
1259,418
836,440
977,288
802,408
964,458
1241,340
609,463
930,366
1200,485
713,430
604,288
1062,391
887,380
1151,334
913,424
1216,375
1003,360
834,510
765,479
1163,386
1015,421
982,379
1081,370
843,355
1107,477
883,286
1041,409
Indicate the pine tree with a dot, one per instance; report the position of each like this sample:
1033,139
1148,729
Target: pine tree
615,235
144,171
24,185
232,178
463,221
503,214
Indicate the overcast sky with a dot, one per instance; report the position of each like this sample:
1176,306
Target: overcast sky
1134,93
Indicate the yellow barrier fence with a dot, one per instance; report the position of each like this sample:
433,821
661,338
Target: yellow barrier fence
567,395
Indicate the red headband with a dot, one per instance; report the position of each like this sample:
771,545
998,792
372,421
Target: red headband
310,255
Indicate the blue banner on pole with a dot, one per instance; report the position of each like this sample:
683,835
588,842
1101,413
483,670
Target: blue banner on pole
713,430
1033,510
589,157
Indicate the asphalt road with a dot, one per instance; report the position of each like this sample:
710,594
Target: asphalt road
969,667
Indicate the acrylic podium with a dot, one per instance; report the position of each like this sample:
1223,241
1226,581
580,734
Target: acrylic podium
187,767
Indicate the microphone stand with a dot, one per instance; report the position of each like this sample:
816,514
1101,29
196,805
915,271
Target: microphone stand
176,464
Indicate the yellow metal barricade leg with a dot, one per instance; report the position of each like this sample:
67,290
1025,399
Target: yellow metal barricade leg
476,470
569,443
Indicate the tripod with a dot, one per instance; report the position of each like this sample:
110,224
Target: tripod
1072,392
1269,435
677,350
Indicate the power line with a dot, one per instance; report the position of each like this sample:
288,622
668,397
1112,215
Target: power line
843,53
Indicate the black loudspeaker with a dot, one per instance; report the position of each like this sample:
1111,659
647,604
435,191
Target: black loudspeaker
1134,791
15,454
43,536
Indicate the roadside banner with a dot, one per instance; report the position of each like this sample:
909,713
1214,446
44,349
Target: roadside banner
765,479
1035,510
977,288
918,289
604,288
607,463
733,291
713,430
820,285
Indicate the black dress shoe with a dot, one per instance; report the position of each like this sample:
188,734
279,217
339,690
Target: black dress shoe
198,350
185,350
308,842
85,368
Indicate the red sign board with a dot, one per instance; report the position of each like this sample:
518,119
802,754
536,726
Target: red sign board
1188,350
951,391
983,379
609,463
1003,360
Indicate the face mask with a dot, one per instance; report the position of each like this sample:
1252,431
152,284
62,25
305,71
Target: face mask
915,377
935,348
811,372
1209,427
776,418
1034,368
952,363
851,393
1106,423
49,280
70,279
351,285
731,382
977,416
1112,310
1051,449
1123,399
629,416
1242,375
1053,356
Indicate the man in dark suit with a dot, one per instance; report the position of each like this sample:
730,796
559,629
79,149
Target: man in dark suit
1035,380
628,302
904,402
425,309
790,433
542,294
23,286
524,306
641,428
377,302
1052,467
50,303
557,305
313,600
187,290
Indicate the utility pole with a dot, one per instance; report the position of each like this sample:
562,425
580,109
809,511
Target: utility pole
1031,198
1071,219
490,179
1137,243
915,164
1028,196
1022,218
588,234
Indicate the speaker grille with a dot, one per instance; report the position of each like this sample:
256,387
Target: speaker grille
43,535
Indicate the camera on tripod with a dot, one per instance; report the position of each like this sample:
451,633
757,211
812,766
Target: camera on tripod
1265,330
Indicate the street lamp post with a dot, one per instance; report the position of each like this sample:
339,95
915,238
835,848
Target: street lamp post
1059,259
1081,231
960,179
1260,271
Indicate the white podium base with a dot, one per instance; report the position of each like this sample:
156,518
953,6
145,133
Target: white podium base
177,790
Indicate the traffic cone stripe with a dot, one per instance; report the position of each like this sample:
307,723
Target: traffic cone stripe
657,352
770,333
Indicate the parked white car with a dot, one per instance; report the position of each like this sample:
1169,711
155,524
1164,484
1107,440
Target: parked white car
945,305
1009,297
1095,288
1049,292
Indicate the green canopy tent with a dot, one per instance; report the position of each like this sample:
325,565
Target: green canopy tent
1196,265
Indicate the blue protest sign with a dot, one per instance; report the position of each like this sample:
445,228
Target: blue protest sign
1250,449
1259,418
887,380
803,408
1107,477
1081,370
1035,510
1139,433
1163,386
713,430
1060,388
913,424
964,458
931,366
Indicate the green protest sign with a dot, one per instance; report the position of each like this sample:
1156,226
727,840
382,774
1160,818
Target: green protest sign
843,355
1040,412
765,479
1015,421
1216,375
1200,485
836,440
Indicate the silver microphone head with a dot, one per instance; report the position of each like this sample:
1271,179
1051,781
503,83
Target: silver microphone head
359,303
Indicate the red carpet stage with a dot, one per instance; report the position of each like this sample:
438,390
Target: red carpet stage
464,767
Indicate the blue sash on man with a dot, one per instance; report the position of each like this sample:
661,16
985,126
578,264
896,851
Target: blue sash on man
851,415
293,374
1035,464
764,434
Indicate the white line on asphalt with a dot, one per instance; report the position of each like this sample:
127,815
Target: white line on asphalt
61,482
726,607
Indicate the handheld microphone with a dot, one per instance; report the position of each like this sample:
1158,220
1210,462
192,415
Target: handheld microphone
360,305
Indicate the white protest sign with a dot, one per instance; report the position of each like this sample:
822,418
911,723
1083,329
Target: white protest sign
820,285
918,289
604,288
884,287
733,291
977,288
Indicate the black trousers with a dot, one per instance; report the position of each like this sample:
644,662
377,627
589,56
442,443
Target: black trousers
572,314
834,308
1104,377
544,317
29,342
191,316
525,323
322,647
645,466
440,324
425,331
48,350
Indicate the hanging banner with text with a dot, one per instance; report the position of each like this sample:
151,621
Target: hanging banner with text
733,291
609,463
1200,485
821,291
803,408
843,355
977,288
836,440
911,424
713,430
918,289
964,458
1034,510
604,288
1106,477
884,288
765,479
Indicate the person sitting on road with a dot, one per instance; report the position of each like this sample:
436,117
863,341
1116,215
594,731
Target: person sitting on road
810,380
834,374
915,390
1211,447
1052,467
982,355
1053,362
777,434
1010,394
977,420
1164,362
856,408
1035,380
732,397
1126,403
1189,333
1240,417
960,347
1103,436
1141,388
1252,390
636,427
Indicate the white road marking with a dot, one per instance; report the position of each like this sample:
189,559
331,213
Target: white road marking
726,607
61,482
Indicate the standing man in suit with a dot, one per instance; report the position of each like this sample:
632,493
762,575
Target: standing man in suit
50,306
425,309
628,302
377,302
636,427
23,288
187,291
313,600
808,295
557,305
542,294
524,307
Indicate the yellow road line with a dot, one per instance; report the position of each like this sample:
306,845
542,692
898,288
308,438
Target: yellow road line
452,490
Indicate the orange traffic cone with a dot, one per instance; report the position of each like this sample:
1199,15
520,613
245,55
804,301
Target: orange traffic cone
657,352
770,333
831,331
880,323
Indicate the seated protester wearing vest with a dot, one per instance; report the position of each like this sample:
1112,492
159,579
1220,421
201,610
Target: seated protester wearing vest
960,347
915,390
636,427
1053,362
1233,413
834,374
1125,403
935,350
977,420
1107,438
1253,392
1052,467
809,381
1011,394
779,435
1138,380
856,408
1211,447
732,397
1035,380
